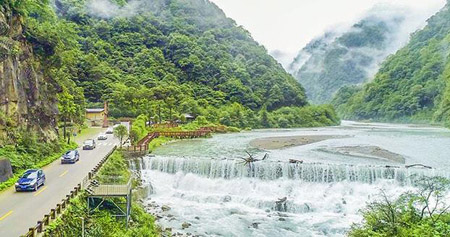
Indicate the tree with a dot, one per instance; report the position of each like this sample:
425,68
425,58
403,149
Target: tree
422,212
120,132
67,109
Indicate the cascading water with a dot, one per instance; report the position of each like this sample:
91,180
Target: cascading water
315,172
210,193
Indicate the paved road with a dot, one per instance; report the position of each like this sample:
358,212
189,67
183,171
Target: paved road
20,211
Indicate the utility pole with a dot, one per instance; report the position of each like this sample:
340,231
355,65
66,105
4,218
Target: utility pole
82,226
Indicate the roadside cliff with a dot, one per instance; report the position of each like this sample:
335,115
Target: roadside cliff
27,94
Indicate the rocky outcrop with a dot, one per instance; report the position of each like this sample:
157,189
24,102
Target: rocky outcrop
27,94
5,169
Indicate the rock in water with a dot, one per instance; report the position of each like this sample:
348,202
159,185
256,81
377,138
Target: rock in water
185,225
165,208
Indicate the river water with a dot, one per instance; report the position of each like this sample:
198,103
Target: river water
205,185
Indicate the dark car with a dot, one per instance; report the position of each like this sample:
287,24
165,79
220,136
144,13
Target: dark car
70,157
89,144
31,180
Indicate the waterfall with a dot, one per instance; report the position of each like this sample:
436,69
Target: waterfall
267,170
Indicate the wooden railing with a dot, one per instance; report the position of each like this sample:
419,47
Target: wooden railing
60,207
142,145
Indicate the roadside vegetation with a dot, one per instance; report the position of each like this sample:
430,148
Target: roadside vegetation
422,212
101,222
28,152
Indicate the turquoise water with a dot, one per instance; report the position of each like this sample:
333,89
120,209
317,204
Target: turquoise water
205,185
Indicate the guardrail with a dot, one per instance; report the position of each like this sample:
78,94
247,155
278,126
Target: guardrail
60,207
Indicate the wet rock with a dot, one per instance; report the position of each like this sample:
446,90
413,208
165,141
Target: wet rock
168,229
255,225
281,219
185,225
169,215
267,210
227,198
197,218
165,208
172,219
344,202
307,207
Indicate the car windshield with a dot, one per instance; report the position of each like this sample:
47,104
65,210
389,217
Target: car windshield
30,175
70,153
88,142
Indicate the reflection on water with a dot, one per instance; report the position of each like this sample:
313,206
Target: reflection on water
206,187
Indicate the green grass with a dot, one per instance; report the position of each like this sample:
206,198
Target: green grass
87,133
157,142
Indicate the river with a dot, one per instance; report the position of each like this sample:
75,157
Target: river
204,183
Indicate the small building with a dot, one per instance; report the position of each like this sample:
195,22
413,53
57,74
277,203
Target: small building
98,116
95,114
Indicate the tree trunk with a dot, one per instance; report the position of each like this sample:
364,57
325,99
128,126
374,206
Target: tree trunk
64,128
159,112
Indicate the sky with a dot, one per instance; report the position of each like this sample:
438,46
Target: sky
284,27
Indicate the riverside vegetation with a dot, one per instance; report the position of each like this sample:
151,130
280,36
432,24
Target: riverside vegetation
168,58
102,223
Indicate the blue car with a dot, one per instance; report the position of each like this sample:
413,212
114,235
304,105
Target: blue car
70,157
31,180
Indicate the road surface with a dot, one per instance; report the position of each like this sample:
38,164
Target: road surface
21,210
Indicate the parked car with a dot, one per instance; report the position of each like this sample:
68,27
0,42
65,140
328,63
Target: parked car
102,136
110,130
31,180
89,144
70,157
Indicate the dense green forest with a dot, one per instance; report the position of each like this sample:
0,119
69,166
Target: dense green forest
349,57
167,58
412,85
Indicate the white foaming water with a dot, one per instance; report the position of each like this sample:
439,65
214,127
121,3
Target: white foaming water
220,197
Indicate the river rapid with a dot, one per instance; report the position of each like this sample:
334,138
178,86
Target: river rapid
208,188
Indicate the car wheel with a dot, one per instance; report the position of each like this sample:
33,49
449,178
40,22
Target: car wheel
35,187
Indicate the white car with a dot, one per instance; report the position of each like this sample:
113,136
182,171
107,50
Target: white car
110,130
102,136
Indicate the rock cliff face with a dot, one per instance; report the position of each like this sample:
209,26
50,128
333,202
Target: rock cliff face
27,95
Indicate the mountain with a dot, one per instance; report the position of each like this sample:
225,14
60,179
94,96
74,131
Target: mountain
351,55
164,58
411,85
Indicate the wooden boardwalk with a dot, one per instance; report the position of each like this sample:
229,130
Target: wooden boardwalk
142,145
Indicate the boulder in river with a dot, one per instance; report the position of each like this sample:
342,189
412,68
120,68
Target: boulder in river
165,208
185,225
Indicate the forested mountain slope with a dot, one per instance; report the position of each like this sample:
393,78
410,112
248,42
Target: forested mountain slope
413,84
177,56
351,55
